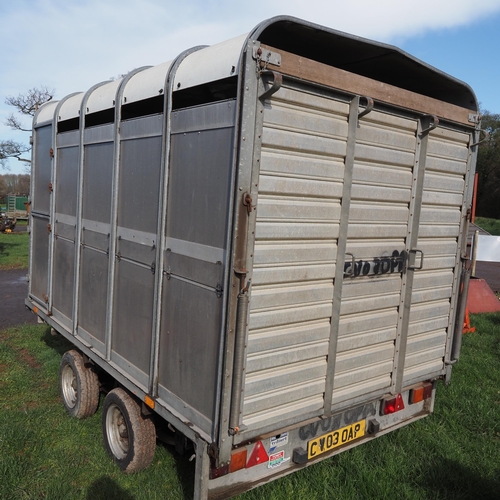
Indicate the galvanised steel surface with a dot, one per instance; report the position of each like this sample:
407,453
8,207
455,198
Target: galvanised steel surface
253,240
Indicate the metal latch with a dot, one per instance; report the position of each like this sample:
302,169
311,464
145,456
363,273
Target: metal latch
266,56
474,118
414,267
247,201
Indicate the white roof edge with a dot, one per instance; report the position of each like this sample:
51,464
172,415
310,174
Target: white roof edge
210,64
147,83
45,113
103,97
71,107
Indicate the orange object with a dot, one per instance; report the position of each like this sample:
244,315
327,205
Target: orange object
467,327
481,298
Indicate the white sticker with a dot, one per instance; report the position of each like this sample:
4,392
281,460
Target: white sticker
277,441
276,459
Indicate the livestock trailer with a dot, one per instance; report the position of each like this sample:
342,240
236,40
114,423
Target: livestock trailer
260,243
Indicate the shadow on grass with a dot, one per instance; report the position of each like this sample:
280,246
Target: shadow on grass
452,480
185,472
107,489
56,342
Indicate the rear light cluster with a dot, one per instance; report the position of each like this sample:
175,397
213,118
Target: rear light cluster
239,458
416,395
393,405
420,394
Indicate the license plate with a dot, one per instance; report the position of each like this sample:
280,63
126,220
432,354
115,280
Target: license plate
327,442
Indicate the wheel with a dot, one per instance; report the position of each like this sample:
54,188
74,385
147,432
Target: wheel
78,386
129,438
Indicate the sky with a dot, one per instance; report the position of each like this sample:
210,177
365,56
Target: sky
70,45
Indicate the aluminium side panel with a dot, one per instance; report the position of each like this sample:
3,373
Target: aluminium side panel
138,212
43,174
200,174
95,229
40,213
66,190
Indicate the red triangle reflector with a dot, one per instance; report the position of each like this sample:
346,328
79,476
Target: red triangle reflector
399,403
258,456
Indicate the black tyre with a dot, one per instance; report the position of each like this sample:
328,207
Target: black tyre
130,439
78,386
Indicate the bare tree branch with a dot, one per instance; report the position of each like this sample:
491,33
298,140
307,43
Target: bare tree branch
29,103
12,149
26,105
14,123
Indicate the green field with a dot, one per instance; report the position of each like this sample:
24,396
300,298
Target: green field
490,225
14,250
453,454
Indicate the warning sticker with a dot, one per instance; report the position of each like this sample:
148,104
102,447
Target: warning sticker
276,459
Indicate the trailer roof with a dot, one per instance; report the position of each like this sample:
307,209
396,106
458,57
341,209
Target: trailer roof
379,61
375,60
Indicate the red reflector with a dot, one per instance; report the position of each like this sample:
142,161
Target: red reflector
427,391
238,461
258,456
393,405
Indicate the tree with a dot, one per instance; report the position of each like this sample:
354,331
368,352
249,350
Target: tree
26,105
488,168
3,187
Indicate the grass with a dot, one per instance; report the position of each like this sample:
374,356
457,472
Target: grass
453,454
490,225
14,250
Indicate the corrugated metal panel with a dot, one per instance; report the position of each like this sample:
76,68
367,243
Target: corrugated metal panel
296,237
442,199
377,231
298,213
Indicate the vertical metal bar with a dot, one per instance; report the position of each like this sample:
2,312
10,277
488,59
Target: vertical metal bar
246,169
79,206
474,198
33,182
115,192
461,276
239,354
474,253
52,240
459,320
341,250
53,164
425,125
162,222
202,470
